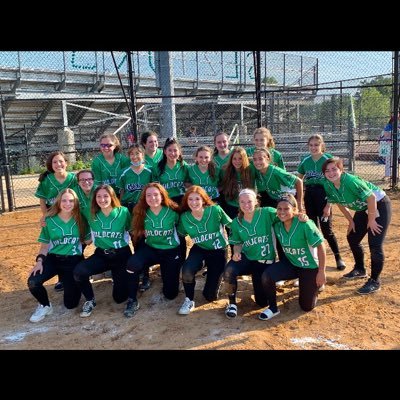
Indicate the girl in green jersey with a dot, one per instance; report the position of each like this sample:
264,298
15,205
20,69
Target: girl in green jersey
204,222
310,170
61,241
372,215
253,248
263,139
51,182
107,166
303,245
110,225
149,141
155,217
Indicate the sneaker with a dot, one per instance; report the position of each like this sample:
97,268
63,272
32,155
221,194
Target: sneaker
131,307
40,312
296,283
231,311
59,286
355,274
340,265
268,314
280,283
187,307
370,286
87,308
321,288
145,285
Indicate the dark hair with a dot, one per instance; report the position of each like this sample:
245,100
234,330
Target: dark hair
162,163
49,164
145,135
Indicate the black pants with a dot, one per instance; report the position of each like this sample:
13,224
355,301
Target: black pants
284,270
215,261
375,242
170,266
101,262
246,267
314,202
53,265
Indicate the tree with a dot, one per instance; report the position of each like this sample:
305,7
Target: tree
269,80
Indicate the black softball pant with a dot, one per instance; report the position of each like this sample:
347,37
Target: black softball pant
62,266
285,270
375,242
246,267
215,261
314,202
100,262
170,266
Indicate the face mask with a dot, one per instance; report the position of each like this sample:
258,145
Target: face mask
136,164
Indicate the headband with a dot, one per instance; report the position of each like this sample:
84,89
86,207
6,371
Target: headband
249,192
288,200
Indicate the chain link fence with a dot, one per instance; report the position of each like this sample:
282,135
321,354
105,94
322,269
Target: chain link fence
67,100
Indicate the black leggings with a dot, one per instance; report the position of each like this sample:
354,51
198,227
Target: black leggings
53,265
375,242
284,270
314,202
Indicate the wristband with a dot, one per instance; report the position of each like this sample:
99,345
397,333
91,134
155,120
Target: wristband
40,256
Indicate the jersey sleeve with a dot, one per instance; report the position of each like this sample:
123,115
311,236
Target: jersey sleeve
223,216
234,237
313,234
44,236
181,227
96,169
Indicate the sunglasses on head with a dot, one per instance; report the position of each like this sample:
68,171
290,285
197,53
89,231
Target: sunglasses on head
106,145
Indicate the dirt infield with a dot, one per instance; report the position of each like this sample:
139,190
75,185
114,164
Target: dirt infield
341,320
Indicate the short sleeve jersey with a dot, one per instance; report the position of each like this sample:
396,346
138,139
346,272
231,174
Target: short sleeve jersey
133,183
62,237
160,230
173,179
300,243
208,233
219,161
276,182
49,188
112,231
353,192
257,237
203,179
106,173
312,170
85,202
151,162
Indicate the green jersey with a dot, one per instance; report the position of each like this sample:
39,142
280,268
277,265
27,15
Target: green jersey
133,183
300,243
106,173
160,230
62,237
276,156
312,170
353,192
208,233
276,182
111,232
257,237
85,202
173,179
203,179
151,162
49,188
219,161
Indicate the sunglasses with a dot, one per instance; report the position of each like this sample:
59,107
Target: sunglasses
106,145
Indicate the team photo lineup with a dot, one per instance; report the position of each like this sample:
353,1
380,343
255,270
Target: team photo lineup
232,212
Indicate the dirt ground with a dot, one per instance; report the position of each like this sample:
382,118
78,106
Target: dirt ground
341,320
